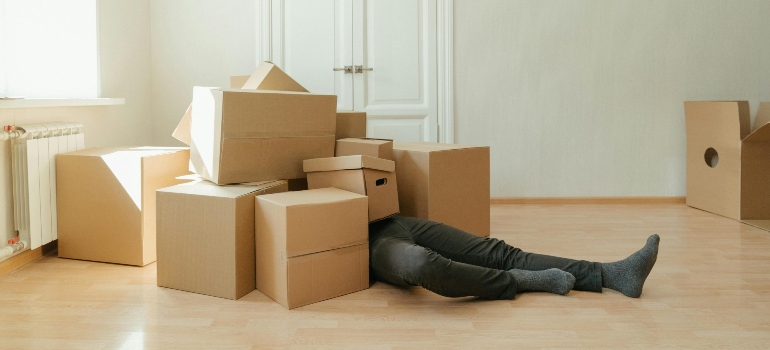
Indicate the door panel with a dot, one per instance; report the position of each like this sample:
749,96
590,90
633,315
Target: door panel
309,39
397,39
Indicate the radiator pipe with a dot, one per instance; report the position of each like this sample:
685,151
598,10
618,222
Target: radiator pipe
12,249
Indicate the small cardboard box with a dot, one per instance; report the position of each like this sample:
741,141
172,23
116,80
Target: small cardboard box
106,201
444,183
376,148
728,162
350,124
372,177
311,245
206,237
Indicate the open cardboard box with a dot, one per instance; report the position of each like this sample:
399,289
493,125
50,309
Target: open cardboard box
257,133
728,162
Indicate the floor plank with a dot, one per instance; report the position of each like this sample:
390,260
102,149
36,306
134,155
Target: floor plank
709,289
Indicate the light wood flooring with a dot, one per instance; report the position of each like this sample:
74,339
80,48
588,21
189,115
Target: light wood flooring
709,289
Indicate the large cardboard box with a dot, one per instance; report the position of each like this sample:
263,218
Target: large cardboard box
311,245
249,135
206,237
728,162
350,124
377,148
106,201
444,183
372,177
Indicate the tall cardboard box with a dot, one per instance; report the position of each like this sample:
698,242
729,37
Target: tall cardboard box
377,148
311,245
372,177
106,201
444,183
728,162
206,237
350,124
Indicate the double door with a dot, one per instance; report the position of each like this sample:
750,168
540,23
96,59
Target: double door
377,56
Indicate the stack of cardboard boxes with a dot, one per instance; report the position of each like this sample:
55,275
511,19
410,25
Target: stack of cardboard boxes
273,206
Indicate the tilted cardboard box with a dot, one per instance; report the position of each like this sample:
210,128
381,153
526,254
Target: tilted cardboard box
206,237
350,124
248,135
372,177
728,162
106,201
311,245
444,183
377,148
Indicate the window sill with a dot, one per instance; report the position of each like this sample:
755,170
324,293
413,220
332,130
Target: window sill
59,102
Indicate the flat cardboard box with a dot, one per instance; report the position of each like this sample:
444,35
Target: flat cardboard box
206,237
377,148
106,201
311,245
350,124
444,183
372,177
249,135
728,162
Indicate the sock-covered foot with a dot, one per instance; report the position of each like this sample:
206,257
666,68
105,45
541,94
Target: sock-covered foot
628,275
551,281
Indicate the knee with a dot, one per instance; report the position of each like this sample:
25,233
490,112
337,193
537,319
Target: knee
406,266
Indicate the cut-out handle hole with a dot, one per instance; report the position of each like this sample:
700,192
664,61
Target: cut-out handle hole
712,157
381,182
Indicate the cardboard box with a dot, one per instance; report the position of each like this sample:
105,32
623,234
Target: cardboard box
311,245
246,136
728,162
372,177
106,201
206,237
238,81
377,148
350,124
297,184
444,183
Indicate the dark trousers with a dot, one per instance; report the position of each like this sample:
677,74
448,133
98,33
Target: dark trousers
450,262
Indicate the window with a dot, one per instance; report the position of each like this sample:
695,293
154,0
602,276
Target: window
48,49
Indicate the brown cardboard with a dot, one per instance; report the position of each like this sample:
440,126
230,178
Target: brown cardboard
373,177
377,148
444,183
728,163
311,245
266,77
106,201
350,124
237,81
249,135
206,237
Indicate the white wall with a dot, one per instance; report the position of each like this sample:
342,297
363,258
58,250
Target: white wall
124,39
196,43
584,98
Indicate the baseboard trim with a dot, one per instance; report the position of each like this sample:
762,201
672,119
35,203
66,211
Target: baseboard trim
16,262
588,200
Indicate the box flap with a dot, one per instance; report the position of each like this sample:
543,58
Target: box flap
237,81
269,77
348,163
321,195
761,134
713,120
182,131
763,116
429,146
207,188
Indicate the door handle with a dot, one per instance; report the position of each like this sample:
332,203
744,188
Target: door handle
361,69
346,69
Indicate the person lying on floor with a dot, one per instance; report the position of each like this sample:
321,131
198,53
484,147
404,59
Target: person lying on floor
450,262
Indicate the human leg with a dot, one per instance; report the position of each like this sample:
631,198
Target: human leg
458,245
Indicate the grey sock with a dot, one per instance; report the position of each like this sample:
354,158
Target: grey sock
551,281
628,275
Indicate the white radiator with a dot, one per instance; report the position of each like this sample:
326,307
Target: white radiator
34,177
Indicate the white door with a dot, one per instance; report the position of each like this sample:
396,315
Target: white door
392,41
396,39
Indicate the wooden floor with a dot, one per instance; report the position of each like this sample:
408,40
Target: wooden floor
709,289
